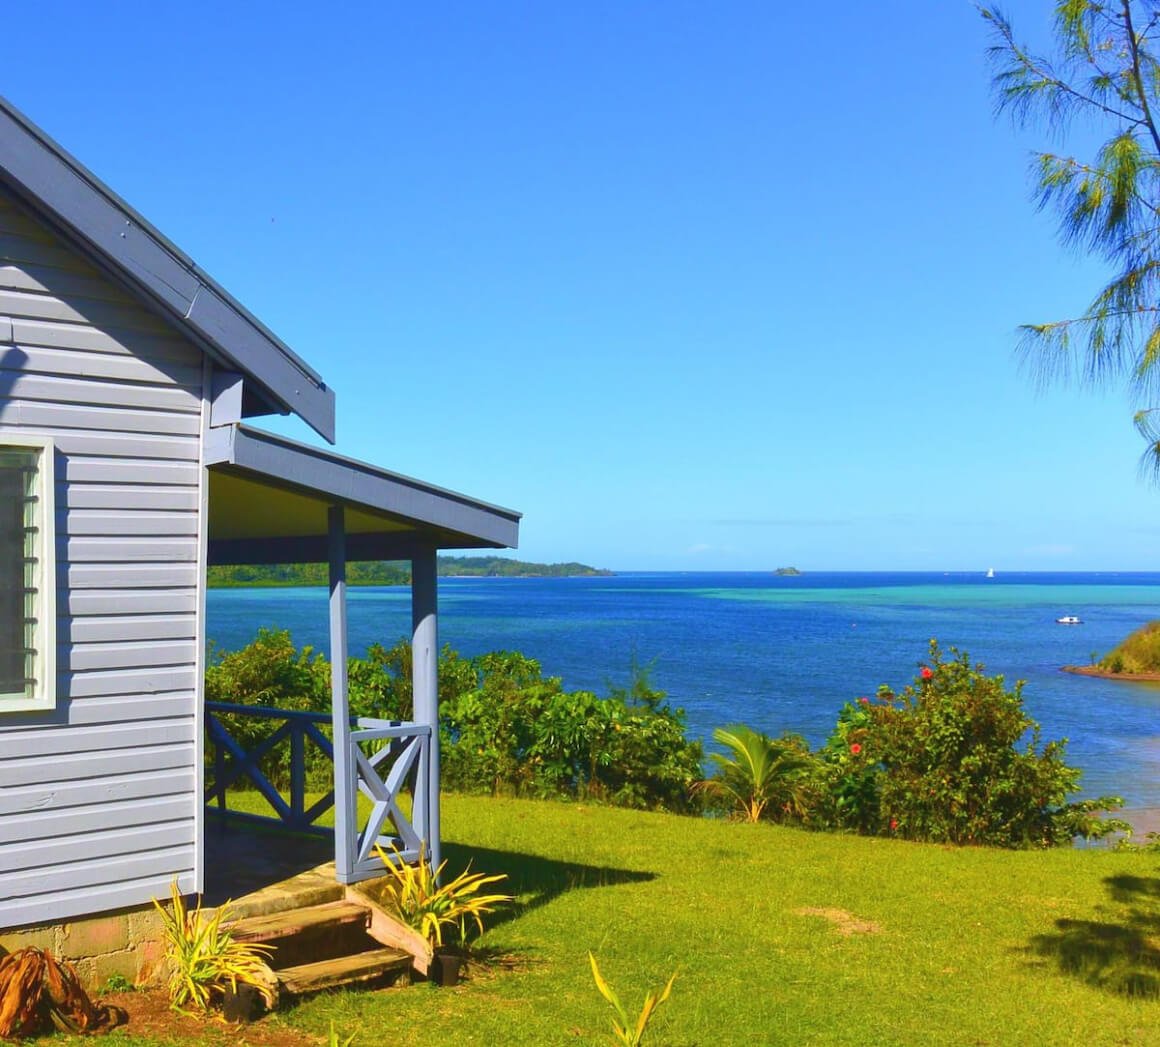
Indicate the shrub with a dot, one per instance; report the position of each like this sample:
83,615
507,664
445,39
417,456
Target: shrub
955,758
504,726
271,672
519,732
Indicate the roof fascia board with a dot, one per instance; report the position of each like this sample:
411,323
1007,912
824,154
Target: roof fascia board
357,483
87,212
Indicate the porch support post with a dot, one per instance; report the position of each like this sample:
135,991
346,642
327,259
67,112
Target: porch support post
345,827
425,686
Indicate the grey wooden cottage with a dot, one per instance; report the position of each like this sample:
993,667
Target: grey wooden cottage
126,468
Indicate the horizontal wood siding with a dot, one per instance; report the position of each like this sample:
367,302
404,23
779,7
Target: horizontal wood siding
98,801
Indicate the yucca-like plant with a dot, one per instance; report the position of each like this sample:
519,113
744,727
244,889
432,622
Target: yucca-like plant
417,899
757,772
627,1032
204,959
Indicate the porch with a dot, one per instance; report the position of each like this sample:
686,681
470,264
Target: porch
274,501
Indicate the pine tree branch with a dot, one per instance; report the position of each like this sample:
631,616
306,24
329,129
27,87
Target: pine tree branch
1142,94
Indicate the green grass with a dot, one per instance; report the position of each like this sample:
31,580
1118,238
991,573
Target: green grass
973,946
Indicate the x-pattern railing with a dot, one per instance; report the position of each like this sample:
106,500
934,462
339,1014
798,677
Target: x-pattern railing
402,751
386,757
233,764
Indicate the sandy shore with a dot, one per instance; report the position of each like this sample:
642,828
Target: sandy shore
1107,674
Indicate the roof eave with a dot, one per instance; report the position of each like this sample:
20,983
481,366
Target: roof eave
446,518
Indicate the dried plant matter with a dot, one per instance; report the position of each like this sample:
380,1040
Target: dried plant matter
38,991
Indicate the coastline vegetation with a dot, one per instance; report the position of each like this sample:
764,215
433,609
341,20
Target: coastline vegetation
952,757
1139,654
390,572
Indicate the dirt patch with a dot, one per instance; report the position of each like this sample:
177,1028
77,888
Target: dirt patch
149,1015
1107,674
845,923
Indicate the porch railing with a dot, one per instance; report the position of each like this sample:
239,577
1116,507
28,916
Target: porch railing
386,758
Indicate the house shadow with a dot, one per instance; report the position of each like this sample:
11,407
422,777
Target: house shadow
532,879
1117,952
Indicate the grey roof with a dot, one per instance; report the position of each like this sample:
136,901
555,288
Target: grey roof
269,498
115,237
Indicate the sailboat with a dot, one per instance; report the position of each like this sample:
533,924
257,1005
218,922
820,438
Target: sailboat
990,572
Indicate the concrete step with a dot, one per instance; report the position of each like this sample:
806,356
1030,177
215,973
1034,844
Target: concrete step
363,968
307,934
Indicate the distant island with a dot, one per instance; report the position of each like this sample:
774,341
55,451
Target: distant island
788,572
391,572
1137,658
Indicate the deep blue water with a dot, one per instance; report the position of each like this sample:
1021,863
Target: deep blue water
784,653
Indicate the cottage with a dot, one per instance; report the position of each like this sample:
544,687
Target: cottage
127,465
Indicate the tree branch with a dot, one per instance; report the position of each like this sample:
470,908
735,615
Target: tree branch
1134,44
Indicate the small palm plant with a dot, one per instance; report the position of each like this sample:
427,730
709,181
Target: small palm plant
418,900
627,1032
758,773
204,959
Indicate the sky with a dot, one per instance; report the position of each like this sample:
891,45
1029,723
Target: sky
692,286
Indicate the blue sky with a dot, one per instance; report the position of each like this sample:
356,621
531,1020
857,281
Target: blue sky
693,286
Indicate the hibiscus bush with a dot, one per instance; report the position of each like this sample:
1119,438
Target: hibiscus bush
953,757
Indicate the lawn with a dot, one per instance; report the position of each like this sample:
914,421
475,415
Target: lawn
781,936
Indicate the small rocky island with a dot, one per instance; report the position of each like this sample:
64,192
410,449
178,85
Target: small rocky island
1136,658
787,572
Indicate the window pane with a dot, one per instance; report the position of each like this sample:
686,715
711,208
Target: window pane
19,572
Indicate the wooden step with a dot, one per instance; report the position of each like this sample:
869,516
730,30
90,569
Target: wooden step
270,927
359,969
308,934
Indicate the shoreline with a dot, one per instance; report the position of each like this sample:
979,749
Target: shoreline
1107,674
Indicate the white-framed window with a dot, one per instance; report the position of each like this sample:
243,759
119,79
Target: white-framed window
27,574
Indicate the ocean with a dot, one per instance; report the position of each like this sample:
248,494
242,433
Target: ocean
784,653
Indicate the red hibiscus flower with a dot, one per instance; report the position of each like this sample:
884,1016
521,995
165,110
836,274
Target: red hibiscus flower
926,672
855,748
893,824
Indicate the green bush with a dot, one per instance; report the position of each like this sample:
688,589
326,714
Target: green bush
270,672
955,758
504,726
518,732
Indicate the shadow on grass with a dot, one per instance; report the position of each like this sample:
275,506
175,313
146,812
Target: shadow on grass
1119,953
535,881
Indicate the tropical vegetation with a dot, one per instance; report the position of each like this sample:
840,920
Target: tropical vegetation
951,757
1139,653
625,1030
505,728
1103,72
203,960
427,901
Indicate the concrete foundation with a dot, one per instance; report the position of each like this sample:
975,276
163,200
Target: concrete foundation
126,943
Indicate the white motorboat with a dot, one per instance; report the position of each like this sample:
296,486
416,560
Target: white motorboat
1069,619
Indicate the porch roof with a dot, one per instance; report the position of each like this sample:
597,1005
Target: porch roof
269,498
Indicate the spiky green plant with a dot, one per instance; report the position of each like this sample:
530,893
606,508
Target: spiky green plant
417,899
758,773
630,1033
204,959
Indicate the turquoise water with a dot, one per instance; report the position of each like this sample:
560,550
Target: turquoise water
785,653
